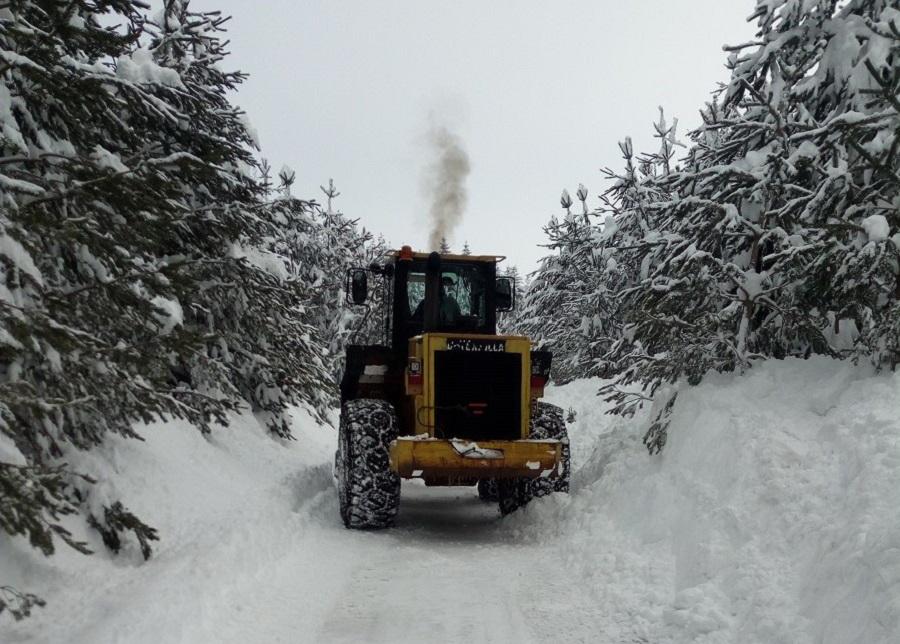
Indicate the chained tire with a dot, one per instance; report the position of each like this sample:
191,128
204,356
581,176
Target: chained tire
487,490
368,491
546,423
513,494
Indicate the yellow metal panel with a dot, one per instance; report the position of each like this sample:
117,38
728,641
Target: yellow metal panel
432,458
424,346
523,346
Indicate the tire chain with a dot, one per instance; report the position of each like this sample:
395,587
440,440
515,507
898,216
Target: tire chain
368,491
546,423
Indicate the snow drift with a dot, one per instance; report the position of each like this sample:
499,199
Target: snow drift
770,516
229,508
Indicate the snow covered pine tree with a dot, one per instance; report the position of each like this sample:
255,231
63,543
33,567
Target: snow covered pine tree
779,235
553,310
128,292
249,287
621,243
321,244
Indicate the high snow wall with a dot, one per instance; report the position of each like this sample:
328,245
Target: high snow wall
770,516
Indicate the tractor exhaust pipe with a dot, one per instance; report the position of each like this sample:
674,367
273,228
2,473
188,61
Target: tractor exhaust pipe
432,292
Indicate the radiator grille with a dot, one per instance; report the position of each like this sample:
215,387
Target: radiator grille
493,380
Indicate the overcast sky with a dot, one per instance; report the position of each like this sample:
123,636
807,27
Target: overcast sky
540,92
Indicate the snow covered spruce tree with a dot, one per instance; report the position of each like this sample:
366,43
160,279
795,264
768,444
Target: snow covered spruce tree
598,258
778,236
279,363
369,325
128,293
86,331
555,311
320,244
347,245
621,241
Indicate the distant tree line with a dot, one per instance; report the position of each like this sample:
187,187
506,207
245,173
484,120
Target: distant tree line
774,232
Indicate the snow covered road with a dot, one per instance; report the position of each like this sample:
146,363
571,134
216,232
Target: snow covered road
243,561
451,571
448,573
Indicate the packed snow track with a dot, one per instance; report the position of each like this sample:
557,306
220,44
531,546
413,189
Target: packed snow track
450,573
242,563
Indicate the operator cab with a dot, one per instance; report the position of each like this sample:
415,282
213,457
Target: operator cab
422,293
462,306
466,291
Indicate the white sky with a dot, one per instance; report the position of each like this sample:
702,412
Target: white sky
540,91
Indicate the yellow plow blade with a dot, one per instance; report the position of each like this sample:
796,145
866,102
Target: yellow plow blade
413,457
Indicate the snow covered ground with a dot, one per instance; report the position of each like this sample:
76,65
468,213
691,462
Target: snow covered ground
770,516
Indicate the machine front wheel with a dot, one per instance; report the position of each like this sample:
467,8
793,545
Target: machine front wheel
546,423
368,491
487,490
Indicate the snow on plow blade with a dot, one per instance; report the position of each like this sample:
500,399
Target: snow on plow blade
413,457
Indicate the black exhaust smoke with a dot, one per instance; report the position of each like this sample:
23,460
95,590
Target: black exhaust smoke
444,181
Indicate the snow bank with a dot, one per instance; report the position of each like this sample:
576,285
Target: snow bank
771,515
226,508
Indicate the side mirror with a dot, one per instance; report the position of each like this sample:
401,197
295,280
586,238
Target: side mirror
357,285
505,294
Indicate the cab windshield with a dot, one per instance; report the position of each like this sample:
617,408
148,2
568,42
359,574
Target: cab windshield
462,296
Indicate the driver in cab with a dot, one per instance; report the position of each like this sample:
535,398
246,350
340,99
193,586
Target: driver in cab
449,308
450,311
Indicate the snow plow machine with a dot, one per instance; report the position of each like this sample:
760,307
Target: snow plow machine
444,398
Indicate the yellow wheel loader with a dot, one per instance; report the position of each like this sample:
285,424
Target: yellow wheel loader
444,398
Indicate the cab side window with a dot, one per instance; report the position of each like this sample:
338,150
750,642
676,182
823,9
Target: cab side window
416,293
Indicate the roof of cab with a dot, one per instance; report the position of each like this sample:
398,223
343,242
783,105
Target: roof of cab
453,257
